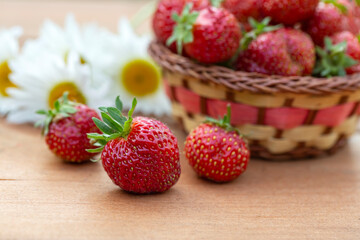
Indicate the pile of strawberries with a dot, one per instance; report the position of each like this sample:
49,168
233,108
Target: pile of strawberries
274,37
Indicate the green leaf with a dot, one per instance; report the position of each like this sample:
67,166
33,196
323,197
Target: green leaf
119,104
42,112
183,30
332,60
103,127
343,9
216,3
116,115
95,136
95,150
103,109
133,106
258,28
113,126
224,122
110,122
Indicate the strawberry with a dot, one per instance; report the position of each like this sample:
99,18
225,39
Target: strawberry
140,155
217,151
288,12
331,16
242,10
338,59
286,51
66,127
209,36
352,50
163,24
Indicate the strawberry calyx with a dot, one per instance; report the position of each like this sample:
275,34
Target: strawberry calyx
224,122
113,125
258,28
182,32
333,59
63,108
217,3
343,9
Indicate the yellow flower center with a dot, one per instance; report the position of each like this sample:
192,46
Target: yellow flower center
140,77
74,92
4,78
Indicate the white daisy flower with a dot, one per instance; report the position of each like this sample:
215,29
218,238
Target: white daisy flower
42,80
135,74
90,41
9,49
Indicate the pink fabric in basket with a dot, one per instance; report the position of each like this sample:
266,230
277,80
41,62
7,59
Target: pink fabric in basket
168,90
333,116
241,114
285,118
358,110
189,100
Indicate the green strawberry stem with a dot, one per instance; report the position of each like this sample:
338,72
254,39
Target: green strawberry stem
183,31
113,125
224,122
343,9
216,3
63,108
332,60
258,28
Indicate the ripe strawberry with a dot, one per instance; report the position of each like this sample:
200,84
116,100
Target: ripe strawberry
288,12
140,155
331,16
338,59
66,128
352,50
163,24
217,151
242,10
209,36
286,52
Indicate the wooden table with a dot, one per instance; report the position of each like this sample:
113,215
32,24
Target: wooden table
44,198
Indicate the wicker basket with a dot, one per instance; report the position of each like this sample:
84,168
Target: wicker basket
283,117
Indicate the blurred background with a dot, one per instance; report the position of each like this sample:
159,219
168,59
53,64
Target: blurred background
31,13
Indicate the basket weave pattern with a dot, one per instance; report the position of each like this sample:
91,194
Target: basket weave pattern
283,117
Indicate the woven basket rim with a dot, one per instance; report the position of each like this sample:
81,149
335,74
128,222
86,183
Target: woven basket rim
252,82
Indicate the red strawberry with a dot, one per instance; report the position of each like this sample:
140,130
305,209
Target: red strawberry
209,36
331,16
286,52
163,24
243,9
66,129
352,50
340,55
288,12
217,151
140,155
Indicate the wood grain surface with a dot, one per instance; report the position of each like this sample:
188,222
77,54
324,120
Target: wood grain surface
43,198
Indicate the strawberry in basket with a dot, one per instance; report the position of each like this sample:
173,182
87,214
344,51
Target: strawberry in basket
340,55
163,24
288,12
209,36
274,51
243,10
332,16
